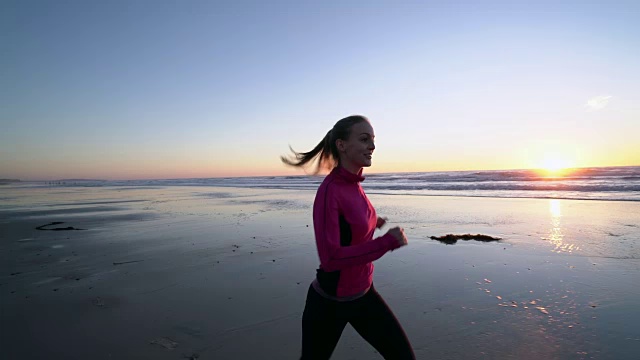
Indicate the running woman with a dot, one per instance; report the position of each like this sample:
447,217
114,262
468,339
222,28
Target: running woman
344,223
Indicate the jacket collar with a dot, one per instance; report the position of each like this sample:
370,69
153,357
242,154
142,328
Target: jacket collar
348,176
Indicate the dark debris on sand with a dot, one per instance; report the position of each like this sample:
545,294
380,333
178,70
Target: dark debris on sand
42,227
451,239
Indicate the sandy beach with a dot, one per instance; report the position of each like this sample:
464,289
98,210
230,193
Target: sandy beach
222,273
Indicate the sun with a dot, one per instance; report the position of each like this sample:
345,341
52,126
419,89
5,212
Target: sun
554,165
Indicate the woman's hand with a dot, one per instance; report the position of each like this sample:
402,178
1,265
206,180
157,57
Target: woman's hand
381,221
398,233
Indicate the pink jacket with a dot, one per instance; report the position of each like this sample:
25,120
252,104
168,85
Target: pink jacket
344,222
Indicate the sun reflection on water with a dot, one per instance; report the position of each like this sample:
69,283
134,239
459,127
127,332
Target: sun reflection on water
556,236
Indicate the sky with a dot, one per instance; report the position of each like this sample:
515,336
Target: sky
183,89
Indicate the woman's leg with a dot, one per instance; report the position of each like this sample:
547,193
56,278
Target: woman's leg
375,322
322,326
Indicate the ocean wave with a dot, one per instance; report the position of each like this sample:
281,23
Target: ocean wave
512,187
614,183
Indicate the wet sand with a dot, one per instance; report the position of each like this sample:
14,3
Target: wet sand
222,273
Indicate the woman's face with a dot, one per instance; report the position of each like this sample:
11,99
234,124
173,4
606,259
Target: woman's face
356,151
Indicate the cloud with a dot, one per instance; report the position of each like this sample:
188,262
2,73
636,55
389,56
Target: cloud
598,102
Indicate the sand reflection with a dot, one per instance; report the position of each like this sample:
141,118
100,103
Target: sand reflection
556,236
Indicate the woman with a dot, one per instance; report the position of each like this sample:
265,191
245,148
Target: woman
344,222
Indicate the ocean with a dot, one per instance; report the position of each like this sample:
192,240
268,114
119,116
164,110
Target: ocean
601,183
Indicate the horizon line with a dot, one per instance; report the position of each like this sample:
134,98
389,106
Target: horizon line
310,174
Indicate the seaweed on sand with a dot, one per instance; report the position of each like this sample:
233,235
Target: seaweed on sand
42,227
451,239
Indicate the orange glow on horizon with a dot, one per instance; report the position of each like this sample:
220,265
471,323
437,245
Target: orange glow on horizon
555,165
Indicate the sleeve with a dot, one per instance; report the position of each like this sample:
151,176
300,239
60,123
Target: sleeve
326,224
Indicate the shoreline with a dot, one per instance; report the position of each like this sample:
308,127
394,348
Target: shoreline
613,183
369,191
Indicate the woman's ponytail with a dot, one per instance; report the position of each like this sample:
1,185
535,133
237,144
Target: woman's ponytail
326,152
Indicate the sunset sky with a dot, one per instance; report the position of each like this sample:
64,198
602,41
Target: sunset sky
178,89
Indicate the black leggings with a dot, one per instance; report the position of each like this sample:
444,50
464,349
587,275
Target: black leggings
323,321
